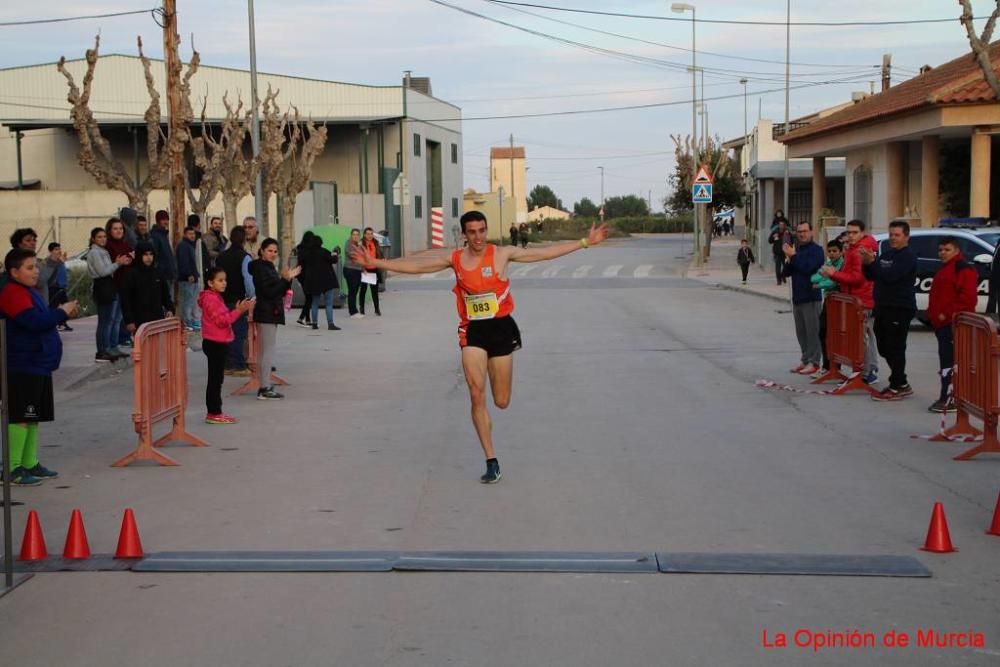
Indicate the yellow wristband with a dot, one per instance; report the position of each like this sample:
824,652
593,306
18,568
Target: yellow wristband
583,243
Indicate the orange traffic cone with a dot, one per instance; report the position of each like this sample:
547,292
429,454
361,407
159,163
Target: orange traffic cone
129,545
938,539
76,539
995,527
33,545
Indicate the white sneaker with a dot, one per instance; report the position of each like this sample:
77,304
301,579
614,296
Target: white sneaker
357,316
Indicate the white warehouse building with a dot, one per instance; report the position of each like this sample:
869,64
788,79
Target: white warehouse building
375,133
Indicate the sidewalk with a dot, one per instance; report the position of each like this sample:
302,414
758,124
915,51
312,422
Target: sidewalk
78,366
721,271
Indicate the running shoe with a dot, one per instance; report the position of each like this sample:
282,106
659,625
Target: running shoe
357,316
890,394
870,378
905,390
809,370
303,323
492,475
818,374
219,418
314,326
42,472
268,394
941,406
239,372
797,368
103,357
21,477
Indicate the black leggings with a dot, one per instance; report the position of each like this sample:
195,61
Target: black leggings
306,313
363,294
216,353
353,278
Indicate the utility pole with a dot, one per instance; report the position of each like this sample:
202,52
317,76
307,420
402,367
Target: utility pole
680,8
171,59
259,198
788,52
886,71
513,198
602,193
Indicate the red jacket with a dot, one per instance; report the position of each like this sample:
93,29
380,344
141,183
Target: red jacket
954,290
850,278
216,319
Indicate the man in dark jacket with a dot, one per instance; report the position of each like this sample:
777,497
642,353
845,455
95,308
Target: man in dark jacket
187,278
954,290
145,295
236,262
893,272
214,240
34,351
779,238
160,235
801,262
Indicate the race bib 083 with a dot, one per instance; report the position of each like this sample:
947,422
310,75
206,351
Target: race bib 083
481,306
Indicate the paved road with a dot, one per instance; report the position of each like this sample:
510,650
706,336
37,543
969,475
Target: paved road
635,425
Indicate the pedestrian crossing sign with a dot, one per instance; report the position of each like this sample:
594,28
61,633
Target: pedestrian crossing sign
701,193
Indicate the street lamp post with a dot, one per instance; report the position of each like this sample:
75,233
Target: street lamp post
602,193
680,8
255,129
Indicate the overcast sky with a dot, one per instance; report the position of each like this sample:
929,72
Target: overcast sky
490,69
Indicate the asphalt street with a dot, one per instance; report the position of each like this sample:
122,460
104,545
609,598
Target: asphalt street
635,425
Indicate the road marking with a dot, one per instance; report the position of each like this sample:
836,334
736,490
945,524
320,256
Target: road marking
552,271
612,270
643,271
522,271
582,271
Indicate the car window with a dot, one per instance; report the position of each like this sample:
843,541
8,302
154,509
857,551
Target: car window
990,237
971,248
925,246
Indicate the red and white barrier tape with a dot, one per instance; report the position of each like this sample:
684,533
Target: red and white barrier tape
773,384
942,432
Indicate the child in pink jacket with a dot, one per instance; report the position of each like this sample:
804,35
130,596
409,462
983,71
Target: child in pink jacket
217,333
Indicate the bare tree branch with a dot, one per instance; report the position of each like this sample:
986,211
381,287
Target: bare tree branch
980,44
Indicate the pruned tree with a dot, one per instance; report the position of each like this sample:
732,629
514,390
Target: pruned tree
980,43
304,142
95,154
225,165
273,126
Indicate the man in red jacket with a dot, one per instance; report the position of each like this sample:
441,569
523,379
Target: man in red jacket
852,281
954,290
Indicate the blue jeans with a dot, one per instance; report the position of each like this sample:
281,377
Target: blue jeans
327,297
234,354
116,327
105,316
189,304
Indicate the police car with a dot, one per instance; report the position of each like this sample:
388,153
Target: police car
977,246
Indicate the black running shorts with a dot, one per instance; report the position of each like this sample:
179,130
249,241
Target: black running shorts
499,336
30,398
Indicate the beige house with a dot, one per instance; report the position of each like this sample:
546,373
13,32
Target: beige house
375,133
547,213
919,151
499,214
508,170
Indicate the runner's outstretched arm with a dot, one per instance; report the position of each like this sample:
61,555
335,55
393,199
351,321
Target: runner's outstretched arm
596,236
418,265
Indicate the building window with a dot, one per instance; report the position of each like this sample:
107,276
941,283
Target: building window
454,207
418,206
454,153
416,145
863,194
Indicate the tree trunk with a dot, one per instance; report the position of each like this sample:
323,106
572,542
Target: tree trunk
139,203
287,228
229,206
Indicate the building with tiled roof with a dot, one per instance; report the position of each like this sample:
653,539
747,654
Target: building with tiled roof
920,151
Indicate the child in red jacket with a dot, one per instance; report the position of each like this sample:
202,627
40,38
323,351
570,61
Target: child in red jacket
954,290
217,333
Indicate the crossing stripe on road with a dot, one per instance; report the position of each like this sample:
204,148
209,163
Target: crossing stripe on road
612,270
582,271
522,271
552,271
643,271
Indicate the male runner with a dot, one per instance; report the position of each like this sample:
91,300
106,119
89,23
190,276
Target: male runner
487,333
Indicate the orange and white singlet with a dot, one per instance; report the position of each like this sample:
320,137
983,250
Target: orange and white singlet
480,293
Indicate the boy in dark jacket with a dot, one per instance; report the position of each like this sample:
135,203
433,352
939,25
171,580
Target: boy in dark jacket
895,305
145,295
745,258
954,290
801,262
188,278
34,351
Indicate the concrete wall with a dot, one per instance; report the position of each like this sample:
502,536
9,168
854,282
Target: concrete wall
416,230
873,157
355,210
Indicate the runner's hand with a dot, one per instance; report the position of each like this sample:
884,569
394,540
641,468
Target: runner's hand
360,255
597,234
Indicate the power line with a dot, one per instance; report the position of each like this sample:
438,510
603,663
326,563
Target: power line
64,19
732,21
620,55
670,46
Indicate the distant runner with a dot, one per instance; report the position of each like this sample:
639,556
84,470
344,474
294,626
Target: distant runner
487,333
